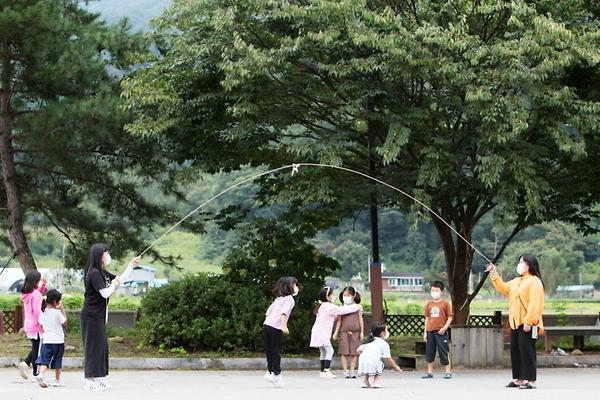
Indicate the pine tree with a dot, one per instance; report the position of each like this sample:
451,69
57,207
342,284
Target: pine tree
66,159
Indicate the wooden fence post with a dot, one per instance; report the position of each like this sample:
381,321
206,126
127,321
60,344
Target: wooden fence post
18,318
497,317
1,322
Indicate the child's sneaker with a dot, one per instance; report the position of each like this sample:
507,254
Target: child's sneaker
269,377
56,383
347,374
447,375
427,376
40,380
327,375
24,370
353,375
278,381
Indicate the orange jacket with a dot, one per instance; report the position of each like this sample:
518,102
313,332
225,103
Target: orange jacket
525,300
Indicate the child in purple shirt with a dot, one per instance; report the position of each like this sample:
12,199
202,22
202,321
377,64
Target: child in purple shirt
275,325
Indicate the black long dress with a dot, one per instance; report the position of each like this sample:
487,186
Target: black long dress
93,324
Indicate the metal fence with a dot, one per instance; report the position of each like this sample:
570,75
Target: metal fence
412,325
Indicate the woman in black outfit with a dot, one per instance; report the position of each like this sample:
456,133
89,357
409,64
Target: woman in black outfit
99,286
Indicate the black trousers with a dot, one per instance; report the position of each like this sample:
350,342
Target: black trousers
33,355
273,348
438,342
522,355
95,347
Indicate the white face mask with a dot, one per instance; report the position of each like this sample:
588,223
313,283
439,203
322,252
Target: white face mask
520,268
108,259
348,299
296,290
386,336
436,295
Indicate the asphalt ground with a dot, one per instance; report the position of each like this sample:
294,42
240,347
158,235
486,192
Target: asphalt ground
553,383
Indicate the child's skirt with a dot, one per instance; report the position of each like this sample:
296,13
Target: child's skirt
370,367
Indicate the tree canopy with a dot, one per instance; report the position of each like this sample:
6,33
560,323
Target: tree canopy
66,160
472,105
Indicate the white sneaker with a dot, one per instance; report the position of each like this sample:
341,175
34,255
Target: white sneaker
327,375
93,385
56,383
23,370
106,385
40,380
278,381
269,377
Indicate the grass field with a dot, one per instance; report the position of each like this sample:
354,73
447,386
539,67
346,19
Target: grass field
407,303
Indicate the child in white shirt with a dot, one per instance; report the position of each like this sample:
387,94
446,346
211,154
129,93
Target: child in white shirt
371,354
53,339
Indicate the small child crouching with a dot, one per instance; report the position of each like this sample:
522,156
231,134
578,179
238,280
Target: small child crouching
371,353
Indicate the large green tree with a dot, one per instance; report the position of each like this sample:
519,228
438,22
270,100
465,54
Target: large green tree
470,106
66,160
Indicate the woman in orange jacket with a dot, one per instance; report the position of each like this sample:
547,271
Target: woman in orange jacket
525,307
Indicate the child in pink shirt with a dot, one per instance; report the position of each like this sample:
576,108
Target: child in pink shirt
31,295
275,326
320,335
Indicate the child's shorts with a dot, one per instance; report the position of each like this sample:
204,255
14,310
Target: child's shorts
51,355
438,342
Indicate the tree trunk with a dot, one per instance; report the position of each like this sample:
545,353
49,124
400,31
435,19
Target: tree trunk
458,256
9,173
460,281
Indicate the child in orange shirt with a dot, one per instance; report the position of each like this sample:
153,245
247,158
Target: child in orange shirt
438,317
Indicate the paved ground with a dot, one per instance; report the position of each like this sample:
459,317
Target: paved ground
466,385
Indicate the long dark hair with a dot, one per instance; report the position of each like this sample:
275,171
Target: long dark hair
95,258
352,291
285,286
534,266
376,330
31,281
323,295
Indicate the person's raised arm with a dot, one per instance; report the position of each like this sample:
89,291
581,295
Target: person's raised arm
498,283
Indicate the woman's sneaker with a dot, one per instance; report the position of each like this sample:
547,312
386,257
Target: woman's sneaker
93,385
56,383
24,370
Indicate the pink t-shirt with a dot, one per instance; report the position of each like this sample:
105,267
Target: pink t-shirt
281,305
320,334
32,308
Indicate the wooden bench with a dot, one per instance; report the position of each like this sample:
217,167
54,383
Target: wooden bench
578,333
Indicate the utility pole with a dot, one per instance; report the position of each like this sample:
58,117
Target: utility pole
375,267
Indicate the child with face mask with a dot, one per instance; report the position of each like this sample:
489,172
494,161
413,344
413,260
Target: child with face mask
438,317
372,353
320,336
350,330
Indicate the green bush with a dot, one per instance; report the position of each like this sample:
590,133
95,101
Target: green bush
9,301
226,312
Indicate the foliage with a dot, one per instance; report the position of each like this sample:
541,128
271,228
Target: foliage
471,106
225,312
77,170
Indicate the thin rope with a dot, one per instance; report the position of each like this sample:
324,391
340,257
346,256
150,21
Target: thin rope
208,201
295,168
